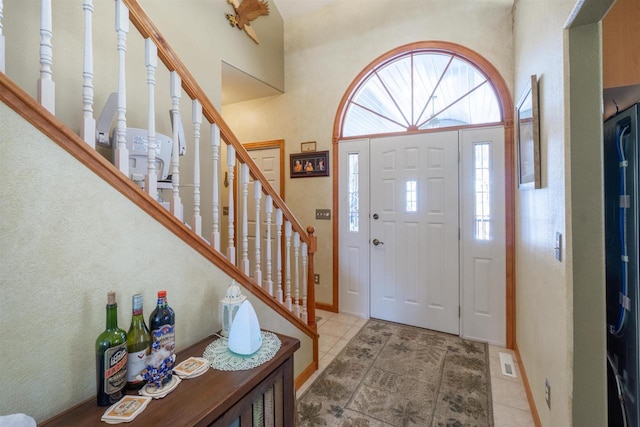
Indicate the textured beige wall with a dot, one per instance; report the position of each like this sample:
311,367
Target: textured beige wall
324,52
560,319
66,238
589,405
543,294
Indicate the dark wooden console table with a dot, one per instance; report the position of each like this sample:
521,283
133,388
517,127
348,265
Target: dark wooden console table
216,398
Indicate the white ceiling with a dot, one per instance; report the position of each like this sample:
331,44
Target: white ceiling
291,8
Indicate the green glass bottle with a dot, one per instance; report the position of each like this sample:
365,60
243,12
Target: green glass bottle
138,345
111,357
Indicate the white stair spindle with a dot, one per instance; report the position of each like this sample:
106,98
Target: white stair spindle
46,86
2,43
268,211
197,120
231,162
257,190
287,259
304,315
176,93
296,265
121,156
151,62
279,293
245,213
88,126
215,145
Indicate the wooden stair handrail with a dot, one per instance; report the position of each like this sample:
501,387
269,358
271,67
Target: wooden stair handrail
168,56
22,103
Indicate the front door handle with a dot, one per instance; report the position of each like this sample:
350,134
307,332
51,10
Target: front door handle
377,242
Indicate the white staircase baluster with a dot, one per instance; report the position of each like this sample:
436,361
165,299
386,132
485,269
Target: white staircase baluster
268,211
88,126
245,213
257,190
304,315
197,120
287,271
215,145
176,93
296,265
231,162
2,43
121,155
46,86
279,294
151,62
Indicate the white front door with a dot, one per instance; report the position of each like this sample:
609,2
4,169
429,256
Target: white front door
414,230
404,194
483,240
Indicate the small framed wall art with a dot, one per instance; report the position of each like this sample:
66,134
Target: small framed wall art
306,165
306,147
528,137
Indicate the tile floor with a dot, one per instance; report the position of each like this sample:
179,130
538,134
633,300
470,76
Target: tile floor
510,405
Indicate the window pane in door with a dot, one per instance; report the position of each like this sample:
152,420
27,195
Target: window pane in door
482,172
353,210
411,196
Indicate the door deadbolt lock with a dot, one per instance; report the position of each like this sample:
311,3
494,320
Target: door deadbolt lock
377,242
375,216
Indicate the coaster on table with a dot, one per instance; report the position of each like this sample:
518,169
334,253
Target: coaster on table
159,393
126,409
191,368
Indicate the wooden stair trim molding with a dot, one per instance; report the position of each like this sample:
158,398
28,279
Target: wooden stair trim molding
168,56
27,107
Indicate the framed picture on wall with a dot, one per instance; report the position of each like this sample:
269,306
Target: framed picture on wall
306,165
528,137
308,146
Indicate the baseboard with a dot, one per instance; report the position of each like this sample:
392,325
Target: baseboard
527,389
326,307
306,374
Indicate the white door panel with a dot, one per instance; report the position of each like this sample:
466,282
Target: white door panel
414,271
483,241
268,160
354,228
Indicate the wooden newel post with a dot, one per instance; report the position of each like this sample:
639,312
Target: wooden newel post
311,292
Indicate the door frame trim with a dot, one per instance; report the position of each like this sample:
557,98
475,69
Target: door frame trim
506,106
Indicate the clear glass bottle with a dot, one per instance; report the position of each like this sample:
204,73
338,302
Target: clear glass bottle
111,357
138,345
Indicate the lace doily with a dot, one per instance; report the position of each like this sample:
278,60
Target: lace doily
220,357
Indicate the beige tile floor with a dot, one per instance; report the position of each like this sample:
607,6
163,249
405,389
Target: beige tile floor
510,405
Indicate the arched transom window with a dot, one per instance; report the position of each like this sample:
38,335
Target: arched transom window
420,90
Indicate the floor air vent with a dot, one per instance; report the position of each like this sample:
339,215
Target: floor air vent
506,363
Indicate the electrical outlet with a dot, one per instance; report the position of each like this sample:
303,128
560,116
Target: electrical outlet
225,210
547,392
316,279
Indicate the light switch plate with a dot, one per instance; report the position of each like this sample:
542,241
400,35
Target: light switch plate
323,213
558,246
